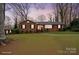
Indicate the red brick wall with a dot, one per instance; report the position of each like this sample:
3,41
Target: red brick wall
28,27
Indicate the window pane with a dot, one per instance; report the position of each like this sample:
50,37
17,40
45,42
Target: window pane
23,26
59,26
32,26
48,26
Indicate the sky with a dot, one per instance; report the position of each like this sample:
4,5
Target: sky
35,12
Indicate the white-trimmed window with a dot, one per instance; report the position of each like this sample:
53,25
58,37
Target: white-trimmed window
32,26
59,26
48,26
40,27
23,26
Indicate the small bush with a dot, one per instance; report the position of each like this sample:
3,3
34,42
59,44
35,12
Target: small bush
65,29
15,31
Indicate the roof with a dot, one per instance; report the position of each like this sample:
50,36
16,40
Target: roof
49,23
45,23
26,20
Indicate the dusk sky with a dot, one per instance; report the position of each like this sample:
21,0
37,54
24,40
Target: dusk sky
34,13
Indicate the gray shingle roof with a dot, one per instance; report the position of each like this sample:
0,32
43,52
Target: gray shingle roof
46,23
49,23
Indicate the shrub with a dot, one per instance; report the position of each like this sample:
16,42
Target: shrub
74,25
16,31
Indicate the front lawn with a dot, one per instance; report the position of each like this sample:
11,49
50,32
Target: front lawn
45,43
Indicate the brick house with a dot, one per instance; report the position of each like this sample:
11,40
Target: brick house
30,26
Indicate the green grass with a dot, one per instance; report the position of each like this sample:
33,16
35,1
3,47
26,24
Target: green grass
51,41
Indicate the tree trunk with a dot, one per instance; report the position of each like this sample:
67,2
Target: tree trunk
70,17
2,18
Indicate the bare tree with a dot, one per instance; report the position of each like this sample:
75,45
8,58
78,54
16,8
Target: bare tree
50,17
41,18
16,22
20,12
76,10
21,9
71,7
66,12
62,9
7,21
